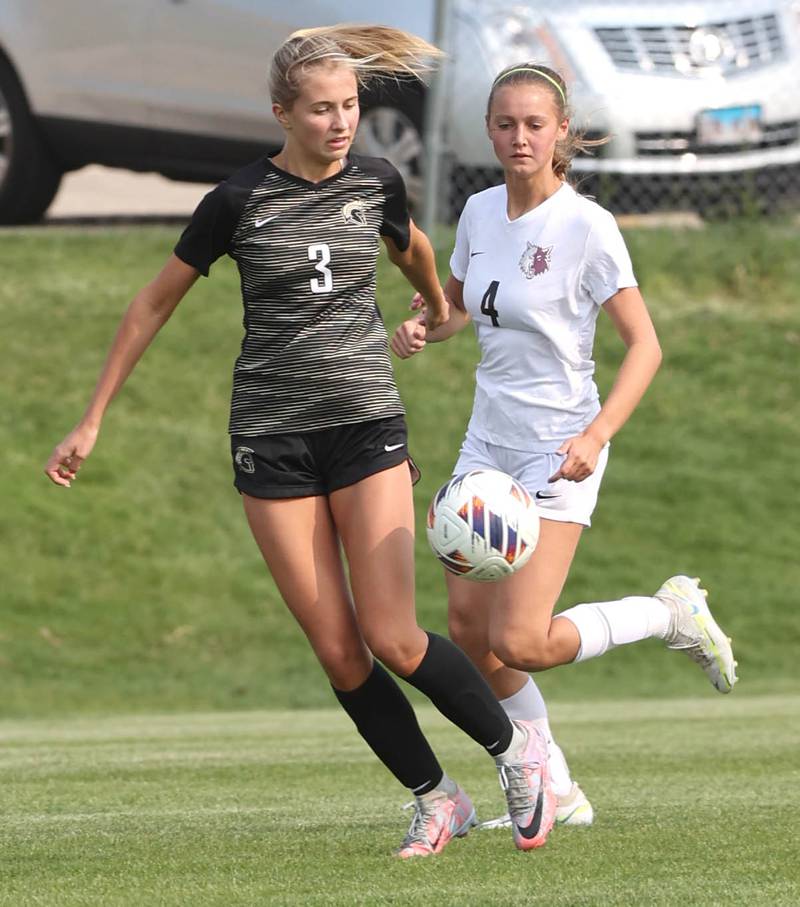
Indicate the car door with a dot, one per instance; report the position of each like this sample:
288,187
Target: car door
81,60
207,63
208,60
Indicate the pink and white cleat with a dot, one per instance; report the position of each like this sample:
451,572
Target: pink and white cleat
525,779
438,818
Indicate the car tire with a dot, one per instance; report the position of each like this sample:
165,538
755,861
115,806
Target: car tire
29,178
391,127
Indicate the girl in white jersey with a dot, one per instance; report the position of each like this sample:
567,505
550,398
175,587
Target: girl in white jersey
318,439
533,264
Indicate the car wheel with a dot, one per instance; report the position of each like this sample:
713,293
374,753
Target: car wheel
28,177
393,133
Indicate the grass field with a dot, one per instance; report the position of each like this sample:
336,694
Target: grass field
141,640
697,804
139,589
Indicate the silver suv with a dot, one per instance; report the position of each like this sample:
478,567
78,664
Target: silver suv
698,98
687,90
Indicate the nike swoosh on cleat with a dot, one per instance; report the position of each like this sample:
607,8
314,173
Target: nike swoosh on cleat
531,830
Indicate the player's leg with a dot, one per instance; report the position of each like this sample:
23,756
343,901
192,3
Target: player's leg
524,634
469,606
375,520
678,614
300,546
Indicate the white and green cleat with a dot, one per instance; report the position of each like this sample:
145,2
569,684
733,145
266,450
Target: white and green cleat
694,631
573,808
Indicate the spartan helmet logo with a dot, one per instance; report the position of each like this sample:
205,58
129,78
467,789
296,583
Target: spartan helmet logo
535,260
355,213
244,459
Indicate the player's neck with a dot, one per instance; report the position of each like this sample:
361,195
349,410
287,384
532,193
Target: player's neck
525,194
313,170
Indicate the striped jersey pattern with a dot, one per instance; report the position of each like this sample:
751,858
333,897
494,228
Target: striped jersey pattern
315,352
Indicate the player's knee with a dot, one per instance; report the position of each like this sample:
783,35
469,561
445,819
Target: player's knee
402,656
525,653
347,663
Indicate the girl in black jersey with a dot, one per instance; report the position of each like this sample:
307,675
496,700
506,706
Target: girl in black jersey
317,428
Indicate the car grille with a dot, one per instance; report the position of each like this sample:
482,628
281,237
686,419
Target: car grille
674,143
728,46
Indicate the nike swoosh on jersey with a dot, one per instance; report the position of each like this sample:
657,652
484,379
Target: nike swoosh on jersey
390,447
473,254
546,497
260,223
531,830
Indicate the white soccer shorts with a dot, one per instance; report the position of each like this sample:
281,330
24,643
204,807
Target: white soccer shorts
565,501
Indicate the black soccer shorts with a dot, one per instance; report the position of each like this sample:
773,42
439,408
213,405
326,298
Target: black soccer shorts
309,463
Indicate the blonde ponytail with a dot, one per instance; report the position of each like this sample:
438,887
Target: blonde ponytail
373,52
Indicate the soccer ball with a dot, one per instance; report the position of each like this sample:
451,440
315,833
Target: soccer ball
483,525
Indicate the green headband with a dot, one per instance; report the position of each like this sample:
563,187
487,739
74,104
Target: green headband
538,72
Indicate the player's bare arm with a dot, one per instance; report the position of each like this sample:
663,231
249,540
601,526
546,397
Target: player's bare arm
418,265
149,310
412,335
643,356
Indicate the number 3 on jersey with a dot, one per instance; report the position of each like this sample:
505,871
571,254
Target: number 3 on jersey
322,251
487,303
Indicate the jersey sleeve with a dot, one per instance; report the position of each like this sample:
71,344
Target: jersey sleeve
208,234
396,222
459,260
607,263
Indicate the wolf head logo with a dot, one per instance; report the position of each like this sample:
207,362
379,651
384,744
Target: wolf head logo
535,260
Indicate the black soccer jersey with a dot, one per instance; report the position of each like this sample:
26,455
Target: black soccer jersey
315,352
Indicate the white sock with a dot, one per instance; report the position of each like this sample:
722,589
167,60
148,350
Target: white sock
528,704
604,625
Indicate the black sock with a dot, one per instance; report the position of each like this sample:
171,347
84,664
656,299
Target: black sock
386,720
455,686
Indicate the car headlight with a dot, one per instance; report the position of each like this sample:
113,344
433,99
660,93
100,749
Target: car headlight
514,35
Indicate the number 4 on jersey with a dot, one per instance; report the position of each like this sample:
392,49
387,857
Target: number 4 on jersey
487,303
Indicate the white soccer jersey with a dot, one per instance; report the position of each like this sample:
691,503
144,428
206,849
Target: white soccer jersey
533,287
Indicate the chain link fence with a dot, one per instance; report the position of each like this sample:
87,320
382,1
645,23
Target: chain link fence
700,103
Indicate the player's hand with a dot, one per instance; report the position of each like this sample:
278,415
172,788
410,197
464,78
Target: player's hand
580,458
432,318
409,338
418,303
68,456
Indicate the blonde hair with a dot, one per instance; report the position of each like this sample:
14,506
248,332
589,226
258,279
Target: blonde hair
528,73
373,52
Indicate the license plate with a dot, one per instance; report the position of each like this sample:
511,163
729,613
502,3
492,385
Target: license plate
730,126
